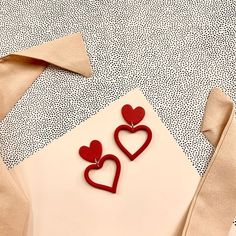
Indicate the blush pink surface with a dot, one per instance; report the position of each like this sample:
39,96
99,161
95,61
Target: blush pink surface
154,190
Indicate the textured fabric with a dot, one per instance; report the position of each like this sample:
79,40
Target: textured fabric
14,205
67,52
213,207
214,197
174,51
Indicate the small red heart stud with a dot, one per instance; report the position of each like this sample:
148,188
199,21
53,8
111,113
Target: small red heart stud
92,153
99,165
132,116
133,130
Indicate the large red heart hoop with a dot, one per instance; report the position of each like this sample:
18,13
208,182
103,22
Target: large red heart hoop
99,165
133,130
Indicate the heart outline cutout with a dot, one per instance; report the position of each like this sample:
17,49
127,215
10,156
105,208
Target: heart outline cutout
132,115
133,130
98,166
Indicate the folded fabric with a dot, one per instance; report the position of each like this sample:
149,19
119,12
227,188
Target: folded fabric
14,205
213,207
46,194
18,70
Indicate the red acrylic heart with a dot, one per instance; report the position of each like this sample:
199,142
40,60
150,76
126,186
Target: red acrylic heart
132,116
92,153
99,165
133,130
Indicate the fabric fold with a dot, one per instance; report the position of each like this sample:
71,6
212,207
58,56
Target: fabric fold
67,52
19,70
14,207
213,207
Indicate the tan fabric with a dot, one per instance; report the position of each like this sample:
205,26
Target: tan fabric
14,206
59,206
214,205
212,209
19,70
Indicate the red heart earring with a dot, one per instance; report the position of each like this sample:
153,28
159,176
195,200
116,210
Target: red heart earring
93,154
133,117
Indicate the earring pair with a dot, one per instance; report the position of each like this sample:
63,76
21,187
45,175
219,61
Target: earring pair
93,153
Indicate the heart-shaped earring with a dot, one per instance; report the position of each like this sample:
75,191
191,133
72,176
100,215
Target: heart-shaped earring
93,154
133,117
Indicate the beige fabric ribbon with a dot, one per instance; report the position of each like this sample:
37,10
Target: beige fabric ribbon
18,70
213,207
14,207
